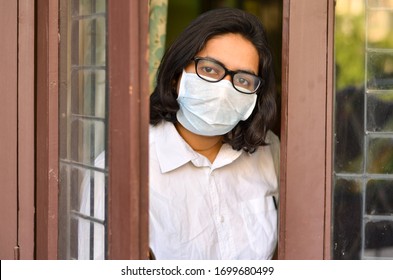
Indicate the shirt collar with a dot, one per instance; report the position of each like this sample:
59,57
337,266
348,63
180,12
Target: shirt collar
173,151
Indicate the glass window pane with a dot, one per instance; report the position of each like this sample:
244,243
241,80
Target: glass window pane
83,130
347,219
90,140
363,130
379,197
349,124
380,112
380,70
88,7
378,35
91,241
380,154
91,46
380,4
88,93
379,239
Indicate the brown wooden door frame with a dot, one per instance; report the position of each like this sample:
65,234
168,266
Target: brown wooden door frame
306,129
128,129
26,164
17,129
8,128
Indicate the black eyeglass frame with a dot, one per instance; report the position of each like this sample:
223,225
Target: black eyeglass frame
227,72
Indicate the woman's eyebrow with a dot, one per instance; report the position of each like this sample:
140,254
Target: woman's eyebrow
249,71
242,70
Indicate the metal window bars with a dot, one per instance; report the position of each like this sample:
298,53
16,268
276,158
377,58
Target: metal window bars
83,130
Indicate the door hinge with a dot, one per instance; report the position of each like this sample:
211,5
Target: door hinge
16,253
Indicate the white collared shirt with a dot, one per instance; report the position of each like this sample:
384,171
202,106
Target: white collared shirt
203,210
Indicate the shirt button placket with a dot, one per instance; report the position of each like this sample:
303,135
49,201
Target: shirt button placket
222,219
222,232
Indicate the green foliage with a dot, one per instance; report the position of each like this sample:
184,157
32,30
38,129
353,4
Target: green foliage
350,51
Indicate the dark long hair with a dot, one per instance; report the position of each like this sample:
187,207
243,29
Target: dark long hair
248,134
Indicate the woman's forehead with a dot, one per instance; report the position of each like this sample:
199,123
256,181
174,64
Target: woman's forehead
233,50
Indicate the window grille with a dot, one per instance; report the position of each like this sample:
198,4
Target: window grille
83,119
363,165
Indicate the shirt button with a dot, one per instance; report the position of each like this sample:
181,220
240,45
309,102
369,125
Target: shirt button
221,219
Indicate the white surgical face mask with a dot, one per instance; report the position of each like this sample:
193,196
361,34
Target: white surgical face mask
211,109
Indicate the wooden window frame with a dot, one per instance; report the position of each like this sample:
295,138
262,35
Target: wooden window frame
127,74
129,128
306,130
306,134
47,165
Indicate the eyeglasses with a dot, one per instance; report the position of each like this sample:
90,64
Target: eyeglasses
213,71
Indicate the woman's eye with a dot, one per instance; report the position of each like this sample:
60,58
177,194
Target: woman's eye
243,82
208,70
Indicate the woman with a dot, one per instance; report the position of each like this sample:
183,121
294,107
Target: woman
212,173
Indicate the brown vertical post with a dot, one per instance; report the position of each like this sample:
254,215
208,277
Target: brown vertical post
283,133
306,130
8,128
47,129
329,128
26,128
144,129
128,129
